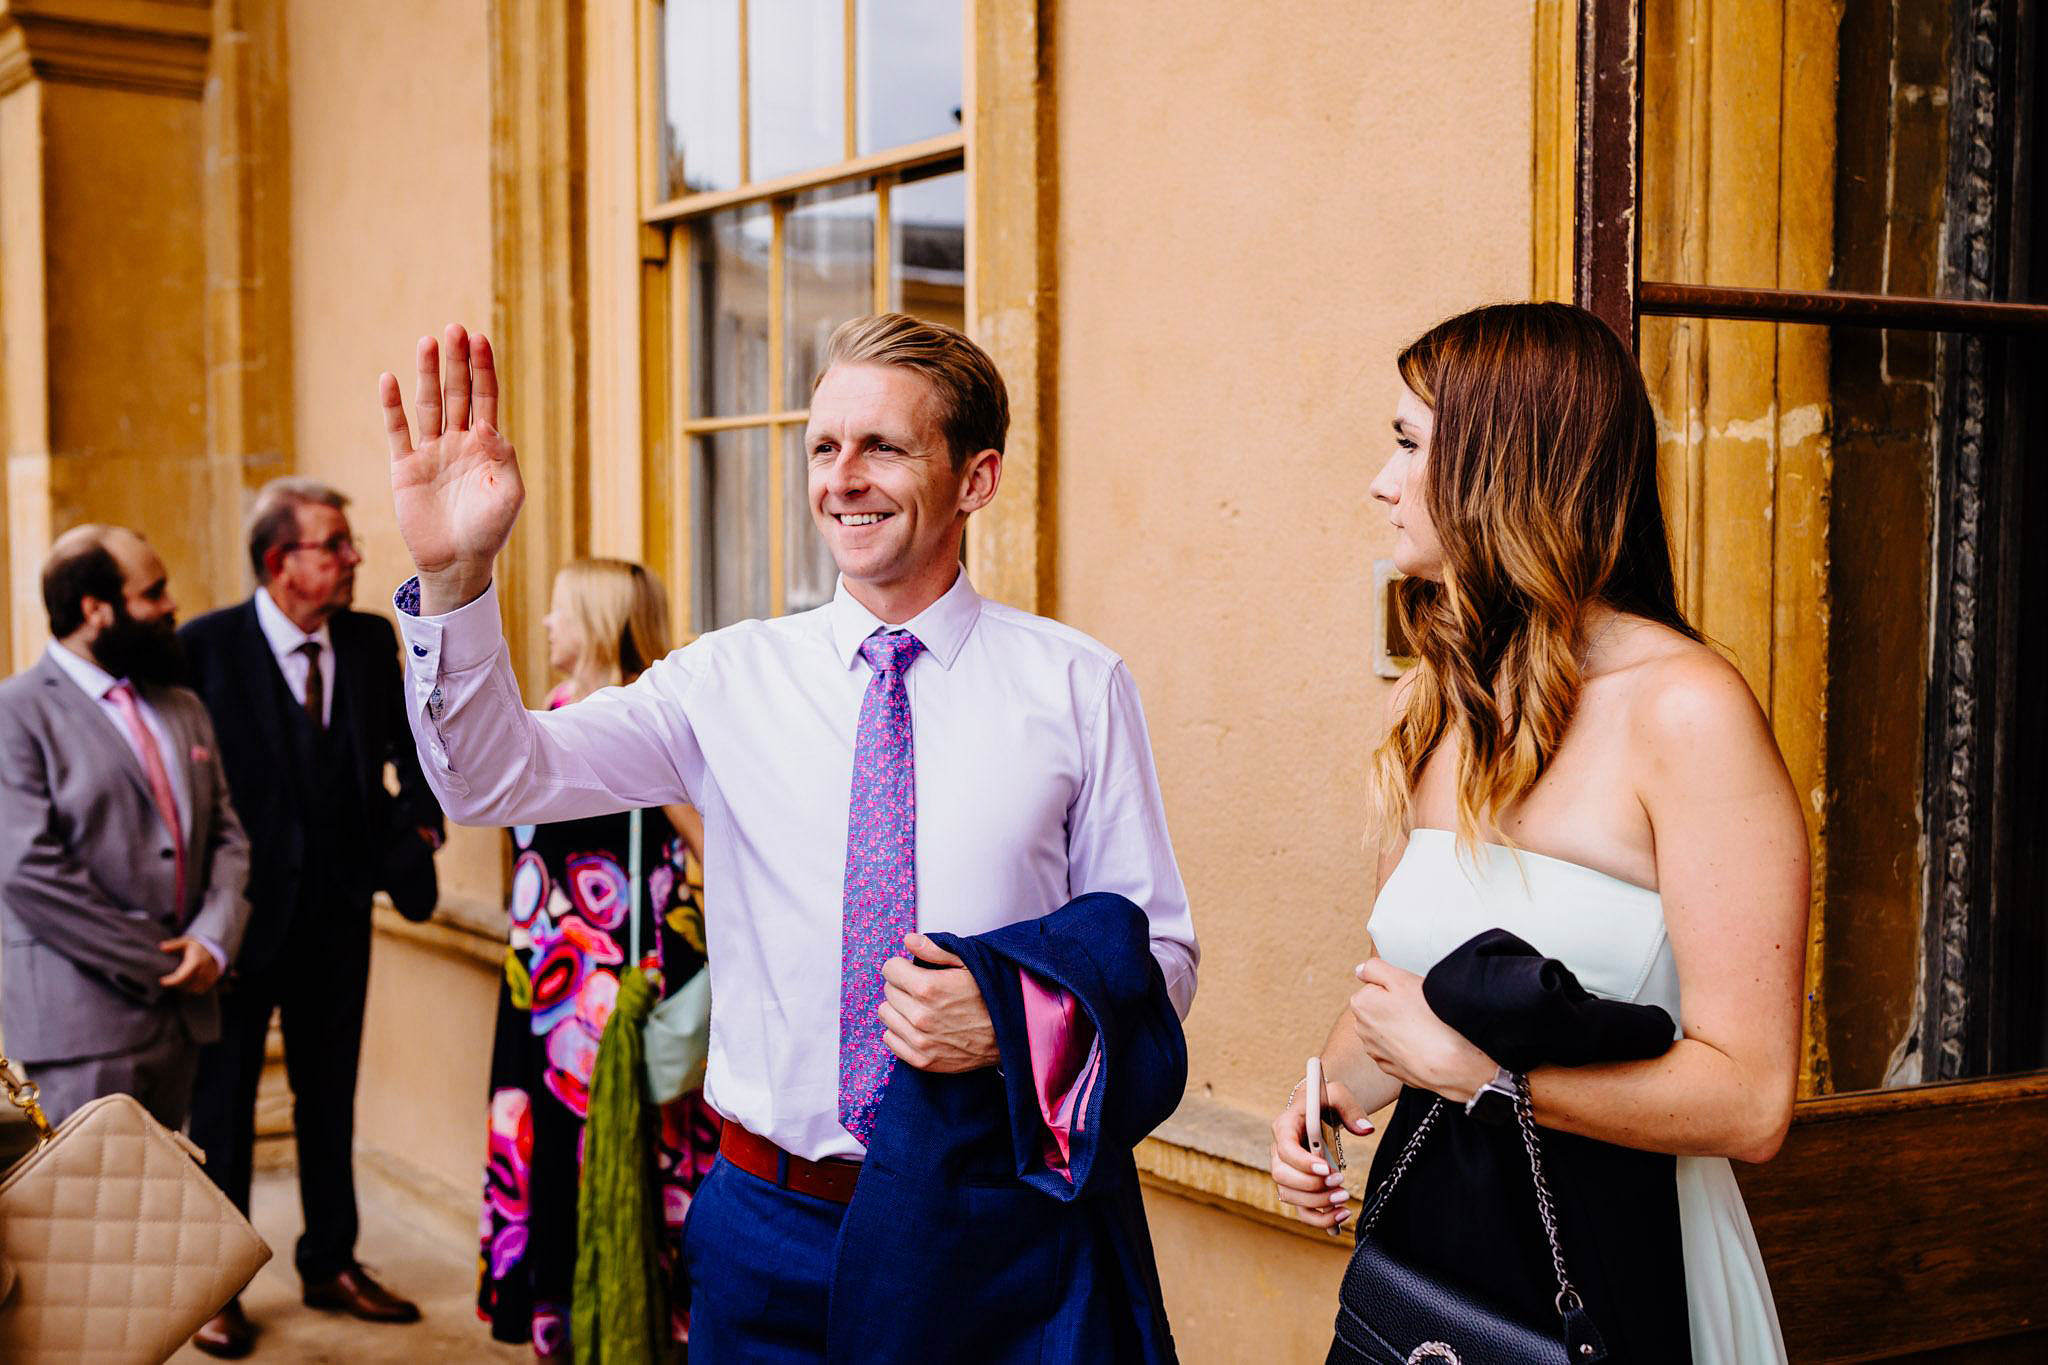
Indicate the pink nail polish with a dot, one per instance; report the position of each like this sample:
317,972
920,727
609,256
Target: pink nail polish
1320,1169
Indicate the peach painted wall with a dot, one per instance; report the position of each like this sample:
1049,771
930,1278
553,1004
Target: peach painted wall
390,238
1253,217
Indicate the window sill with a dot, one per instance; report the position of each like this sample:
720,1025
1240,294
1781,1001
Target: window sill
1217,1154
454,930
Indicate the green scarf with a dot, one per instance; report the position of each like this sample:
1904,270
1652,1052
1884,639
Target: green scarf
620,1311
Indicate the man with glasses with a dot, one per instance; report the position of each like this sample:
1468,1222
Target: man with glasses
306,696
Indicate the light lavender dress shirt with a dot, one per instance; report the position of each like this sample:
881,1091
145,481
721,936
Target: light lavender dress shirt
1035,784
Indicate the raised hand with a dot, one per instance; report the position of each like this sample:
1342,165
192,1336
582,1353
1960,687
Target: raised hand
458,491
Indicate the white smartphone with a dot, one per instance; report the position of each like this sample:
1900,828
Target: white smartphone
1312,1105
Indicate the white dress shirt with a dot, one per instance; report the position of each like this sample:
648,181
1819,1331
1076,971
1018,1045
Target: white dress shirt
1034,777
96,683
285,639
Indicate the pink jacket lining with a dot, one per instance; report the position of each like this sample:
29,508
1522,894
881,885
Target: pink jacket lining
1066,1059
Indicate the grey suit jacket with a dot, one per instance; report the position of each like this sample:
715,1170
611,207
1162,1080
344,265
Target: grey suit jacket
88,876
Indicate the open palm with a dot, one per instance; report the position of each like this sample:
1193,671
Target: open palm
458,491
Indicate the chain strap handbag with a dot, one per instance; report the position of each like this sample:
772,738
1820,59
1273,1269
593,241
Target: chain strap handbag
119,1245
1392,1314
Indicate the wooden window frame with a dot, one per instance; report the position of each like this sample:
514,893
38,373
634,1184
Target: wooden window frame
666,225
1936,1260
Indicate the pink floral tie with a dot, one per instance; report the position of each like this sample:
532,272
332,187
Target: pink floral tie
881,875
123,697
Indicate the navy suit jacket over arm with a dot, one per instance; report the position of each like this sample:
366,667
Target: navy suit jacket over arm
960,1243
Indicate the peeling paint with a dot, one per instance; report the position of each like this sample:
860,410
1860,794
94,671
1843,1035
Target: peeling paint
1755,429
1800,424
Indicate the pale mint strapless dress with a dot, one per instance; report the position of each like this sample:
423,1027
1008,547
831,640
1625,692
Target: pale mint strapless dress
1611,934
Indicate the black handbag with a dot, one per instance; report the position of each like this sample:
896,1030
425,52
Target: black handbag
1392,1314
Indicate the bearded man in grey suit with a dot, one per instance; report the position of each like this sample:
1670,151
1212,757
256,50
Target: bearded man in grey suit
121,860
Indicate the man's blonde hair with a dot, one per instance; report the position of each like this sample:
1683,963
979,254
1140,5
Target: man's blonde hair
621,611
974,407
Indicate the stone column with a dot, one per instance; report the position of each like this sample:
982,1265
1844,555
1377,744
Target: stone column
104,293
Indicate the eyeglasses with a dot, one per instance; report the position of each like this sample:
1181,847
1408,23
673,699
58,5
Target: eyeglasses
334,545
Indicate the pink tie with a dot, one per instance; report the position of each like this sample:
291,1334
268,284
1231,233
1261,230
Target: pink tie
123,696
880,904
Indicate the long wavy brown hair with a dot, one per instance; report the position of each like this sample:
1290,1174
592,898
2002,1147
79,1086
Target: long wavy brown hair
1541,479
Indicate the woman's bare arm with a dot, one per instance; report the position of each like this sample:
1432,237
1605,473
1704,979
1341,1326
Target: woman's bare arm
1732,871
1732,868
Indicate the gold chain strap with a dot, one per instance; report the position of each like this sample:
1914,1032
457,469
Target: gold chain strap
27,1097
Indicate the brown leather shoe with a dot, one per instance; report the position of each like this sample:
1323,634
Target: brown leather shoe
355,1293
226,1334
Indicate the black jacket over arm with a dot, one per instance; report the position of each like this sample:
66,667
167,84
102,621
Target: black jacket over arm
236,673
1466,1211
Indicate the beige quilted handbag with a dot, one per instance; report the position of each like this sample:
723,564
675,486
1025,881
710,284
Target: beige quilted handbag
120,1246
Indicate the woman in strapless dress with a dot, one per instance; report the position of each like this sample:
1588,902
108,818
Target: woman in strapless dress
1568,761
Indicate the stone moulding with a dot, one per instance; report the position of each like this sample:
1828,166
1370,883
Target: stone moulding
156,47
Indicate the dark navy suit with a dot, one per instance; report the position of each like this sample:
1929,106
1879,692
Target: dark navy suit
960,1243
324,835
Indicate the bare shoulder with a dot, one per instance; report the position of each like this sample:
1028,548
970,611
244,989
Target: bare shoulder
1683,694
1696,731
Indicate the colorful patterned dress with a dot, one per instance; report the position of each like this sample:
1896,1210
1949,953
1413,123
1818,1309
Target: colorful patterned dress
569,940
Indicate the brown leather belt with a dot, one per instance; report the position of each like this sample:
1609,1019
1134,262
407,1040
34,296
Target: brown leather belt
831,1178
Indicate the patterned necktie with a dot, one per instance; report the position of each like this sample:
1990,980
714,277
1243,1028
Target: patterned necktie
881,875
123,697
315,692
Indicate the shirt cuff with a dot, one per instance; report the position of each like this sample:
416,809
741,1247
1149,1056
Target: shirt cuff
464,638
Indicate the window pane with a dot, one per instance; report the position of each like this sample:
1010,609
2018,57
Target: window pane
700,87
1736,192
928,249
729,329
1737,413
796,79
1885,434
828,276
809,575
908,82
729,492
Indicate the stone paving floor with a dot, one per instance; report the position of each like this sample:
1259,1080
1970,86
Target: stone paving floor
418,1242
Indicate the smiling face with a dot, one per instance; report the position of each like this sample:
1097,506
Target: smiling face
1402,485
884,490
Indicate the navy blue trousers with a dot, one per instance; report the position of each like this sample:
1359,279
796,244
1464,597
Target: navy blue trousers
760,1260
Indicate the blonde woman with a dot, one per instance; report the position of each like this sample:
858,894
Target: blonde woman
570,936
1569,762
